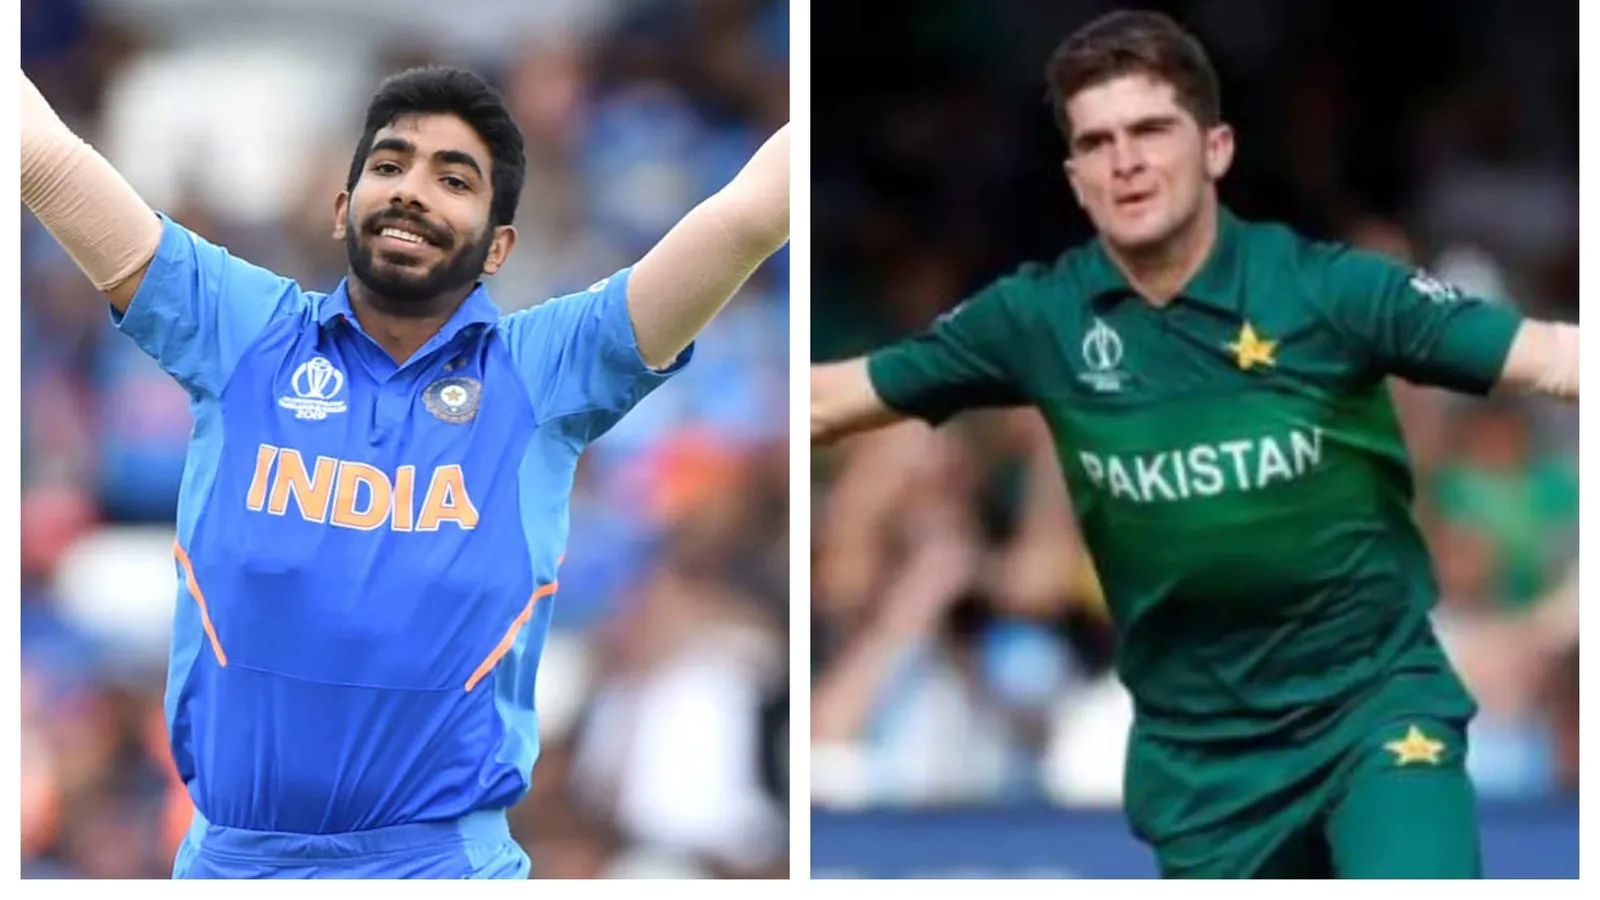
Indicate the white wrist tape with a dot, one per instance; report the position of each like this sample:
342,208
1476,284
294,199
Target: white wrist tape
90,209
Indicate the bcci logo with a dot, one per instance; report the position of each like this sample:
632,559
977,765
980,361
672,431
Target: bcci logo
453,400
316,385
1102,353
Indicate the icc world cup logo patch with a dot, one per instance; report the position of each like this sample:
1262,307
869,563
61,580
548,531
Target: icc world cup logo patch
453,400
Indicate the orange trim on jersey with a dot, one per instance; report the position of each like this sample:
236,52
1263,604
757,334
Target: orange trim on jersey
504,647
199,598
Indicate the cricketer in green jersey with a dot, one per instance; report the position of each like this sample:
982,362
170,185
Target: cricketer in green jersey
1216,391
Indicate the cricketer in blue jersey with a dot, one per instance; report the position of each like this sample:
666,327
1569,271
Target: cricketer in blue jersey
374,504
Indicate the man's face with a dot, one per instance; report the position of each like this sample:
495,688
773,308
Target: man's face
1139,162
416,225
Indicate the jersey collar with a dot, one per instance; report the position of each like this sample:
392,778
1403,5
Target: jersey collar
476,309
1213,286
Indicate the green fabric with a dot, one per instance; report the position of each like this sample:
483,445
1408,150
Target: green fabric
1354,794
1236,463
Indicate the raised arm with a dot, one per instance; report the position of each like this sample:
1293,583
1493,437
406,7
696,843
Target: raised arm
1543,360
90,209
188,303
686,279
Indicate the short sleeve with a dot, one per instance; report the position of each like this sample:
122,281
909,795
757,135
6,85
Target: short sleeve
963,361
199,308
1409,324
580,360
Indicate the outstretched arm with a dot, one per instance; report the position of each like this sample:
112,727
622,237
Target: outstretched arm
843,401
1543,360
686,279
90,209
1407,323
965,360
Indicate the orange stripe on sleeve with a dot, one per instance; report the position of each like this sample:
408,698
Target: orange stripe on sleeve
504,647
199,598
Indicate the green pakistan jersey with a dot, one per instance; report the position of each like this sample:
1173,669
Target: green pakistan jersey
1235,462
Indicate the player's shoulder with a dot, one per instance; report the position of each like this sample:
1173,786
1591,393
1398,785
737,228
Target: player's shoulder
1006,303
188,263
565,304
1324,279
1295,252
1305,271
1278,244
541,333
527,320
1048,285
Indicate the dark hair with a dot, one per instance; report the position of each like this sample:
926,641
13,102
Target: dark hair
444,90
1125,43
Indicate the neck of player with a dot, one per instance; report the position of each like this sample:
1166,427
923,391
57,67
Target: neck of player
1160,272
402,328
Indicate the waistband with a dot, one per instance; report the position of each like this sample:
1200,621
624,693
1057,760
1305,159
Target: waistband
485,827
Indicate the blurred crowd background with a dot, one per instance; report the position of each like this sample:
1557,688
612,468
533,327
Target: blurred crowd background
663,692
961,653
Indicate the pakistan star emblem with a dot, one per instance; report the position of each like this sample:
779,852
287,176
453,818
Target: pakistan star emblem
1252,350
1415,747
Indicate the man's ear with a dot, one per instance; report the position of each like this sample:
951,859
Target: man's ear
1219,151
1072,180
505,238
341,210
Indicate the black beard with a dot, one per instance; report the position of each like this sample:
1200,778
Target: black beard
402,293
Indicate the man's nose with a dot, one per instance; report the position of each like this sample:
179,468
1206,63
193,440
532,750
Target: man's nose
1126,156
408,192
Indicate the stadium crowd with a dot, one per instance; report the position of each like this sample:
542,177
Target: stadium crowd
663,689
961,650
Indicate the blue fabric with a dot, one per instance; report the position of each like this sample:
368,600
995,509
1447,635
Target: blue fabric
477,846
367,550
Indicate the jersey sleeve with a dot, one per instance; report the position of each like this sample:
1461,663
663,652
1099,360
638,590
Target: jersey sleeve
960,362
199,308
1406,323
579,359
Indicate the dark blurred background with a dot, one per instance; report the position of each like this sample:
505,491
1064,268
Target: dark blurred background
663,691
961,656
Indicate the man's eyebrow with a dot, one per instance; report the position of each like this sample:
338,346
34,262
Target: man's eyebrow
449,157
1090,136
396,145
458,157
1153,120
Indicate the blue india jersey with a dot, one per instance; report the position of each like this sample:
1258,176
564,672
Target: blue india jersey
367,551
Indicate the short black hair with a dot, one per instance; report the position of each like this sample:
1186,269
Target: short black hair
446,90
1134,42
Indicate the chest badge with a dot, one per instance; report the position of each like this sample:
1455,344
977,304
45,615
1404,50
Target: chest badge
453,399
317,385
1102,355
1252,350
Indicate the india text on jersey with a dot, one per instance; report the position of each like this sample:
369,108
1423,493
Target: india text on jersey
357,495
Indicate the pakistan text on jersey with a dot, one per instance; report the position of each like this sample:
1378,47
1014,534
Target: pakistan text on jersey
1205,470
356,495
